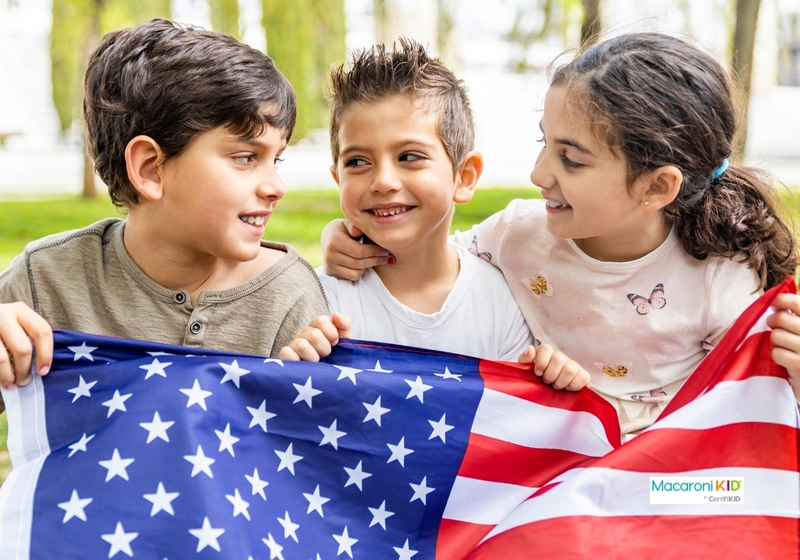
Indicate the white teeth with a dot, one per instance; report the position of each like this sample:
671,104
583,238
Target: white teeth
253,220
554,204
390,212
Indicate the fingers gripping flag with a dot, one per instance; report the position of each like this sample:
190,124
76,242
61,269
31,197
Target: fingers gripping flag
132,449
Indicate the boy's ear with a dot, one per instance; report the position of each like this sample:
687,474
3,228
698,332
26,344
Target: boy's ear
334,173
467,176
143,158
663,186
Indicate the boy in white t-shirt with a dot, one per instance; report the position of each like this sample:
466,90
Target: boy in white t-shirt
401,138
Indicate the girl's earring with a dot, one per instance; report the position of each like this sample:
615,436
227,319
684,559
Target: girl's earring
646,202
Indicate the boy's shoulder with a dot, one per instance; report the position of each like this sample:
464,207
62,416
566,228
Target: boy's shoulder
100,231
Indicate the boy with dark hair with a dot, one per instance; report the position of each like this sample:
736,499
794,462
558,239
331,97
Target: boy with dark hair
185,127
402,139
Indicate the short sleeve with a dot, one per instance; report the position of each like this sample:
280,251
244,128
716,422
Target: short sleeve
733,287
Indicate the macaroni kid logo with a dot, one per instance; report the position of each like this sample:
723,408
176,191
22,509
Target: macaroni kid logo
696,490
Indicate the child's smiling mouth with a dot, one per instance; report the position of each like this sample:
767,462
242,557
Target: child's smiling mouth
386,212
557,205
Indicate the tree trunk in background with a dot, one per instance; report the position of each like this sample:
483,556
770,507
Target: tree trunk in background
591,26
304,37
225,17
92,39
744,38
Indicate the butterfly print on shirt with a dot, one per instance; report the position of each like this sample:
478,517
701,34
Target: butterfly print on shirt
655,396
473,248
617,371
655,301
539,285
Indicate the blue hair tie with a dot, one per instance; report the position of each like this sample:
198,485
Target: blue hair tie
721,169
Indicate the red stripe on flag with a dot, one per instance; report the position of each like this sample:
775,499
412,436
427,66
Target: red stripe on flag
457,539
522,466
664,537
713,367
673,450
519,381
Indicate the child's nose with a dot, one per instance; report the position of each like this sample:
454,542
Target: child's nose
540,177
271,185
386,179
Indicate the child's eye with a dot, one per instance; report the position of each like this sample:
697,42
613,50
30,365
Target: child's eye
278,160
411,157
245,158
570,164
542,141
355,162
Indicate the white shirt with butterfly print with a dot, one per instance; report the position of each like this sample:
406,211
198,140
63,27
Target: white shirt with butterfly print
479,317
640,327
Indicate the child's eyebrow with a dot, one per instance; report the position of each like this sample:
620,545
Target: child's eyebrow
255,142
567,142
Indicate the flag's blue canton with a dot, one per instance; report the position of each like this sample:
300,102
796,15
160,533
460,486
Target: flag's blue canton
353,463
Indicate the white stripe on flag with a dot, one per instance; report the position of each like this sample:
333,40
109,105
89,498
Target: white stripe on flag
488,503
483,502
16,510
756,399
514,420
27,434
603,492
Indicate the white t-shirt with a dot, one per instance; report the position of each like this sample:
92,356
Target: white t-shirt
640,328
479,317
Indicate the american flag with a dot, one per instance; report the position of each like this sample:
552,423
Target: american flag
135,449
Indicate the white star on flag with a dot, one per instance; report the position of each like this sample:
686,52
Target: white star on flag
421,490
288,459
418,388
226,440
348,372
399,452
82,351
120,541
274,361
380,515
156,428
289,528
155,368
440,428
379,369
405,553
233,372
316,501
274,548
345,543
239,505
356,476
260,415
161,500
257,484
80,445
207,536
200,463
196,395
117,466
82,390
331,435
305,392
117,402
74,507
375,411
448,375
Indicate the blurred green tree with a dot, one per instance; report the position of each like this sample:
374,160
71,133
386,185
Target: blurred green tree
304,38
744,39
77,27
225,17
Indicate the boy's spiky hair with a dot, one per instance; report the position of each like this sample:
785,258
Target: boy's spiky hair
407,69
